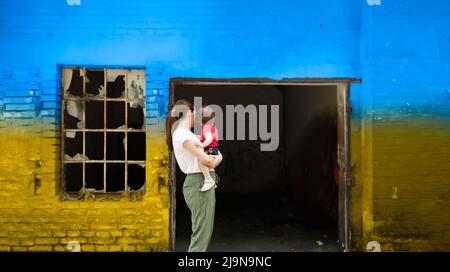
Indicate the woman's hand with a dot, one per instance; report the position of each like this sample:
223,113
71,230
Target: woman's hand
208,140
200,145
208,160
217,160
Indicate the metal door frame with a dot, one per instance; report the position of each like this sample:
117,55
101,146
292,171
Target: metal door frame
344,112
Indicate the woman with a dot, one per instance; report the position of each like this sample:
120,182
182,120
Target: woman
183,143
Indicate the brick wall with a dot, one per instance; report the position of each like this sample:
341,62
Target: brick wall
403,170
176,38
35,214
399,128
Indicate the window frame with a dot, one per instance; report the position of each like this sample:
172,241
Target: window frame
140,100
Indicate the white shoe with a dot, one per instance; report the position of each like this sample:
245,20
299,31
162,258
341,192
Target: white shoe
207,185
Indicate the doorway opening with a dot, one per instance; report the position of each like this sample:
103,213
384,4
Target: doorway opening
294,198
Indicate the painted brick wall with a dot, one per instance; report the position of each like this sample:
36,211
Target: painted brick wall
400,131
403,178
176,38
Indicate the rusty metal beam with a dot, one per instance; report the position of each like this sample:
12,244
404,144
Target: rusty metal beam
261,81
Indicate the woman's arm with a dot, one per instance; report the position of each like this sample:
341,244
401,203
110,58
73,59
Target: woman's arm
217,160
210,161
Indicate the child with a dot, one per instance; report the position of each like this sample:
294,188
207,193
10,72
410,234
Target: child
210,142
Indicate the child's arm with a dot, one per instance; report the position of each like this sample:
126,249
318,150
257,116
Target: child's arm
208,160
207,141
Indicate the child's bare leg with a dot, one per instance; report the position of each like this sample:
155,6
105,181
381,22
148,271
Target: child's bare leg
205,170
209,182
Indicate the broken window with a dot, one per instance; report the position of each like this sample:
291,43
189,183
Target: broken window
103,130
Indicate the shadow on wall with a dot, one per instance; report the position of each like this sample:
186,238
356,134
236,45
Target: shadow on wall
317,184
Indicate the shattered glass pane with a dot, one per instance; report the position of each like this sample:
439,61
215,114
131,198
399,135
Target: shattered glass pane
136,116
70,134
136,176
94,176
136,84
115,83
95,83
73,175
115,177
73,146
136,146
89,113
101,93
115,146
72,82
94,145
73,114
115,114
95,114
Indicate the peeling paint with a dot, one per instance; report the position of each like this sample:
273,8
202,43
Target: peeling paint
395,194
373,246
374,2
73,2
73,246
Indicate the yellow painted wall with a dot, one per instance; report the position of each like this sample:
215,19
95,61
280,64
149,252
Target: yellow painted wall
402,193
33,216
401,196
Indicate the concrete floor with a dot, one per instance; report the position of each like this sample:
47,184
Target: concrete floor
261,225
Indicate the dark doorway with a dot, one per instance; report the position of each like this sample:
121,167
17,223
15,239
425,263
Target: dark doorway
282,200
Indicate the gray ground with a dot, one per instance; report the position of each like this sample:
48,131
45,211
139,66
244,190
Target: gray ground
263,227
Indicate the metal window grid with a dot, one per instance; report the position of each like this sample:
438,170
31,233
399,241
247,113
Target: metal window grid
105,130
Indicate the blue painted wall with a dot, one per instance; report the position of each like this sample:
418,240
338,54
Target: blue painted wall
405,57
404,102
172,38
399,48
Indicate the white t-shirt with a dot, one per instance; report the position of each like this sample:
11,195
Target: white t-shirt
187,162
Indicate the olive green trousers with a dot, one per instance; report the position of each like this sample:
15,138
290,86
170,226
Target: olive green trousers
202,206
